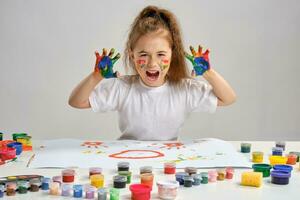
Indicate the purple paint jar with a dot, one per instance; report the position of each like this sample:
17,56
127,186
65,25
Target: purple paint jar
280,177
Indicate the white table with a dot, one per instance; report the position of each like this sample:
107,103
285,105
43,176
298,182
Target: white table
227,189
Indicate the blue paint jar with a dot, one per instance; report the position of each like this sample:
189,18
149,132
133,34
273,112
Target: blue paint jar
197,179
45,183
277,151
245,147
77,191
179,177
287,168
204,177
17,145
280,177
2,191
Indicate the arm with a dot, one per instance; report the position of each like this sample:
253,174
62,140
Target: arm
221,88
79,97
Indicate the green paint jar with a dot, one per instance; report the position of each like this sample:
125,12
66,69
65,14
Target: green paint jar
263,168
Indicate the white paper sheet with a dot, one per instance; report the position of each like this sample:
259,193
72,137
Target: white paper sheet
201,153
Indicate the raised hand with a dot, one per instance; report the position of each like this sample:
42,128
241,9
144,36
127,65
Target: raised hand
105,63
199,60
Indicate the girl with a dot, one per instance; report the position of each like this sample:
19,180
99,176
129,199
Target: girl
153,103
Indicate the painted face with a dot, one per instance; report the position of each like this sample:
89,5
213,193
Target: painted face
152,57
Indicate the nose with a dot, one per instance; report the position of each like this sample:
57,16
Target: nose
152,63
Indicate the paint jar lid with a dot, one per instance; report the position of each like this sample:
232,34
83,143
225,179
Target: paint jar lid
114,191
23,184
221,170
261,166
292,156
188,178
246,144
197,176
277,149
102,191
14,144
89,188
257,153
204,174
68,172
77,187
169,164
46,180
283,167
190,170
95,170
212,173
66,187
167,184
145,169
35,181
229,170
139,188
54,185
280,174
119,178
12,185
295,152
123,164
280,143
2,188
181,174
125,173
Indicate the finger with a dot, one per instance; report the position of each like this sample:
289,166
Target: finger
98,57
116,58
200,50
118,74
193,74
206,55
111,53
193,51
189,57
104,52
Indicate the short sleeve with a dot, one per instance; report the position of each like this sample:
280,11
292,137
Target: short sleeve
105,96
201,97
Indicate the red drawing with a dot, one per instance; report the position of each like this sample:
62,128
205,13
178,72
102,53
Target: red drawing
143,154
171,145
95,144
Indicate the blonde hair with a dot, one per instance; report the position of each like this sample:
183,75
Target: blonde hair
149,20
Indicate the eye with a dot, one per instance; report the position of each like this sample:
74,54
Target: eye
143,55
161,54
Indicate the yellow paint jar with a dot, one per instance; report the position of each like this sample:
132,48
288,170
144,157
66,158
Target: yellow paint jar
97,180
252,179
277,160
257,157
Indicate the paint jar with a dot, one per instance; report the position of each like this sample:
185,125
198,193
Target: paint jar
263,168
277,160
66,189
35,184
119,181
146,169
291,159
229,172
11,188
188,181
23,187
17,145
16,135
97,180
277,151
114,194
2,189
77,191
167,189
123,166
179,177
204,177
45,183
57,179
257,157
26,142
245,147
140,192
127,175
280,144
190,170
7,153
197,179
251,179
280,177
287,168
221,174
102,194
296,153
90,192
212,175
147,179
94,170
68,175
54,188
170,168
1,136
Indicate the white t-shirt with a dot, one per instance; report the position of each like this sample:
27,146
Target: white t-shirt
151,113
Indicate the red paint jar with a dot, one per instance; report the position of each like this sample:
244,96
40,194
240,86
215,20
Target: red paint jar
291,159
170,168
229,172
7,154
140,192
68,175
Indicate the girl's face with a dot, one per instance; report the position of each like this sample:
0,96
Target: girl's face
152,57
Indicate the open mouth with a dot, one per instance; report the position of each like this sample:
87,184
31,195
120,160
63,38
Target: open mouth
152,75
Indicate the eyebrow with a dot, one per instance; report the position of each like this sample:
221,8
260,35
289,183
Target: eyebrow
143,51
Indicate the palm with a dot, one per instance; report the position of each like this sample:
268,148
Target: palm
105,63
199,60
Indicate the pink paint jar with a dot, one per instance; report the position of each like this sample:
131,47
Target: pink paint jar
140,192
167,189
212,175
